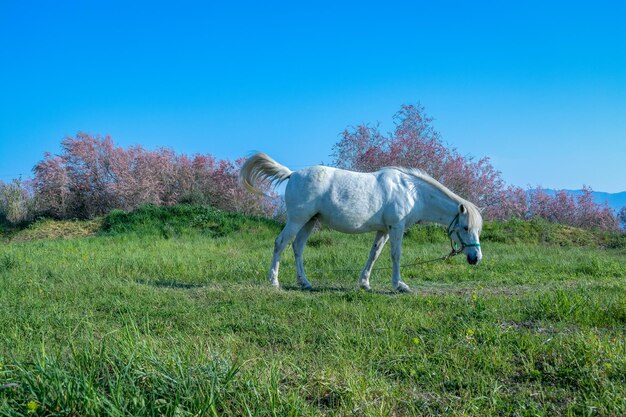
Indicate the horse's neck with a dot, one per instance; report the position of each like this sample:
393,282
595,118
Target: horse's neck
440,208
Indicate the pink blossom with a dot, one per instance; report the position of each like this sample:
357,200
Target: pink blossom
415,143
621,216
91,176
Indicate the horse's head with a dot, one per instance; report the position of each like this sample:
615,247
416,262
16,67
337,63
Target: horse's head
465,232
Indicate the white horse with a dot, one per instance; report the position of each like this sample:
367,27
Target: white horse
386,202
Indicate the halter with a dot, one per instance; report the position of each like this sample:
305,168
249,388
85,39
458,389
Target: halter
455,249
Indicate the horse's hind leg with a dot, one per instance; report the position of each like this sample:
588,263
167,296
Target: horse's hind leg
377,248
283,239
298,251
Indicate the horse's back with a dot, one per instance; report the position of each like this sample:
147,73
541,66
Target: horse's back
344,200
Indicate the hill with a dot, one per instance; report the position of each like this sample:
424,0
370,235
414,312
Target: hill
165,311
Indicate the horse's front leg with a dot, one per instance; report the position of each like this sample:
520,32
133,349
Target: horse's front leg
377,248
396,232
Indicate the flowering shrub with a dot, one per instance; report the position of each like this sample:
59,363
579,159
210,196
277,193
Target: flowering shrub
16,202
621,217
565,208
415,143
590,214
512,202
91,176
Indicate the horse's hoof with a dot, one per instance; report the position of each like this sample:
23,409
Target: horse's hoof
305,285
365,287
402,287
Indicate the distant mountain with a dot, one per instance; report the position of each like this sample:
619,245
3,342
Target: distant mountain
615,200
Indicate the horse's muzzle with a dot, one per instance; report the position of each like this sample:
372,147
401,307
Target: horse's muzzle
473,259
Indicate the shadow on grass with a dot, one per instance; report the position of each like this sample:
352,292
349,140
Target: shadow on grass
318,289
169,284
335,289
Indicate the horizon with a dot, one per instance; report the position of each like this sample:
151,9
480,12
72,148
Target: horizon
540,89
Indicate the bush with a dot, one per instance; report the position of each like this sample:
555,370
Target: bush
415,143
16,202
92,176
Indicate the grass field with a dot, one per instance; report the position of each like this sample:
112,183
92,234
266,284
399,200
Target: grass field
168,312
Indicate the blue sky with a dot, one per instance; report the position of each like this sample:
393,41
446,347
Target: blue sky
538,86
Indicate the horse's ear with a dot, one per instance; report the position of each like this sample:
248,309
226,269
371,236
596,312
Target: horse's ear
462,209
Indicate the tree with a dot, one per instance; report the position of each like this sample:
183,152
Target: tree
91,176
621,216
16,202
512,202
593,215
415,143
51,185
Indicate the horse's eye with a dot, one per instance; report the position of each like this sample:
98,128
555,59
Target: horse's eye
466,228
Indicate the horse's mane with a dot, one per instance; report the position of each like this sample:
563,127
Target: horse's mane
475,219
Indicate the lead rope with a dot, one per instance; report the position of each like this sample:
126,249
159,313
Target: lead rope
453,252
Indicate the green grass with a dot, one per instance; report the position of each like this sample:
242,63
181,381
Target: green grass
167,312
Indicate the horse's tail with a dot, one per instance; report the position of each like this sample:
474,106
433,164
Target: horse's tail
261,166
